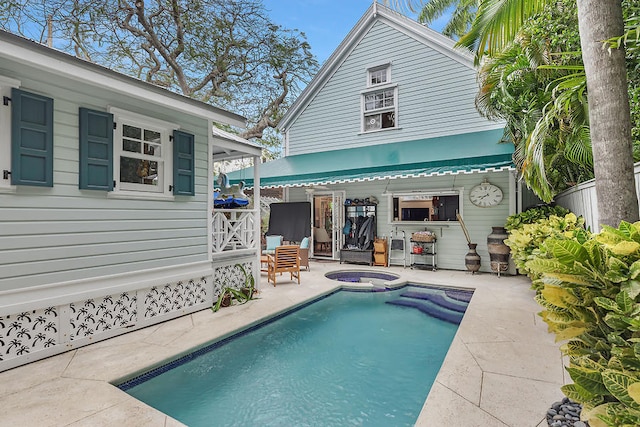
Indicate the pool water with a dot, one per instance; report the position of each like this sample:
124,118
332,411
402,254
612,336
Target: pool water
347,359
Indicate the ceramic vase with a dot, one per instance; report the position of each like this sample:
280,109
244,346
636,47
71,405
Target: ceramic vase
498,251
472,259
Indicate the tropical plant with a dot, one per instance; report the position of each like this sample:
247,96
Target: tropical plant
534,214
460,13
527,241
242,295
532,85
497,23
589,287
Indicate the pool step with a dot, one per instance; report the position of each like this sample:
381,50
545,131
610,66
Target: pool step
464,296
437,299
430,309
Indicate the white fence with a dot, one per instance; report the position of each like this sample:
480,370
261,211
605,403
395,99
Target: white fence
582,200
233,229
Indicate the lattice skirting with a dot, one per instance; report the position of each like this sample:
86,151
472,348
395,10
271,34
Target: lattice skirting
36,334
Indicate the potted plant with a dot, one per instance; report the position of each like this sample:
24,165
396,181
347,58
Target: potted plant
228,294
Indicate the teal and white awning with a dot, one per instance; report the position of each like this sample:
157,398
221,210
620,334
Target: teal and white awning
455,154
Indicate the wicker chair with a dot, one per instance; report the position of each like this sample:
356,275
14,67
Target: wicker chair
286,259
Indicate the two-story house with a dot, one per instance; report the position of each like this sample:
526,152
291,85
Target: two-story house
390,118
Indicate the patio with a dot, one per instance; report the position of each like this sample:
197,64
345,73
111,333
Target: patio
503,368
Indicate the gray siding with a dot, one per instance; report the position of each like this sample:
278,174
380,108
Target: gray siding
59,234
451,245
435,96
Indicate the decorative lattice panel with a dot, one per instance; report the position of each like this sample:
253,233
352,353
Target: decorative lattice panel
93,316
174,296
230,276
28,332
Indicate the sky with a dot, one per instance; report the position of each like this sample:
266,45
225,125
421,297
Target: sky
325,22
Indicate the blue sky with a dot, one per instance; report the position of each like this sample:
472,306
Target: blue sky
325,22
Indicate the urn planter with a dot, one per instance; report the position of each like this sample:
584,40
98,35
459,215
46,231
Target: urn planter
498,250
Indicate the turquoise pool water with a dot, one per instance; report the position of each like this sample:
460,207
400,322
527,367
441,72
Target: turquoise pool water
347,359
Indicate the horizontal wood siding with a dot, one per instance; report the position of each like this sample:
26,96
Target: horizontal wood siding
452,245
436,96
60,234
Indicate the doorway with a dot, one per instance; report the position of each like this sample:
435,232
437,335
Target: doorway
327,212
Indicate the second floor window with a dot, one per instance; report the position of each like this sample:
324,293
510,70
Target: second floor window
379,100
380,109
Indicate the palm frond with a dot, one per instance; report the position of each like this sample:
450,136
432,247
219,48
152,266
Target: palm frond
496,24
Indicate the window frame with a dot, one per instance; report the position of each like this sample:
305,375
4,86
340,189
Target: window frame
455,191
375,70
123,117
380,111
6,85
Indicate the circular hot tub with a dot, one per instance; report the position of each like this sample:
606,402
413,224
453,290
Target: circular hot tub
361,276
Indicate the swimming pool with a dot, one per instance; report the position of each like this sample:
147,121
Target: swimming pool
347,359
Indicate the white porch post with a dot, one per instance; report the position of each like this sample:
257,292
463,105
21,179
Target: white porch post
210,191
257,223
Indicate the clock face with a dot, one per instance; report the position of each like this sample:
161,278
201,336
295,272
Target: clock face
485,195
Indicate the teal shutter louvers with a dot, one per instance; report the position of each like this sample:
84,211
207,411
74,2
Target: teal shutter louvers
96,150
31,139
183,163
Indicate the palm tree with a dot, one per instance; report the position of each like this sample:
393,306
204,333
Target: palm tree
462,13
496,24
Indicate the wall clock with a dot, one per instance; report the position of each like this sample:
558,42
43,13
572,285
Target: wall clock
485,195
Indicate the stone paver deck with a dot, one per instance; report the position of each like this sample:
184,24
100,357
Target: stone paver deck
503,368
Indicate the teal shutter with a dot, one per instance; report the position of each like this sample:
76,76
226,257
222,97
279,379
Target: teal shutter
31,139
96,150
183,163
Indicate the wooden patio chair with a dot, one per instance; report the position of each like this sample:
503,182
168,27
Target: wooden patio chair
286,259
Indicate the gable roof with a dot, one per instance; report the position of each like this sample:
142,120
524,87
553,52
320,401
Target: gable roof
39,56
375,13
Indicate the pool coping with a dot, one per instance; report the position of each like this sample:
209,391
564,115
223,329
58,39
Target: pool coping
502,369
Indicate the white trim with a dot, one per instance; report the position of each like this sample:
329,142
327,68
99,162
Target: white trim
377,88
6,84
165,161
141,118
210,189
452,191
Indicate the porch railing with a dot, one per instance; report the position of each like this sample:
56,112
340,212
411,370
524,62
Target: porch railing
233,229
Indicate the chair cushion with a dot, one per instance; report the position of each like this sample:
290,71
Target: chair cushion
304,244
273,242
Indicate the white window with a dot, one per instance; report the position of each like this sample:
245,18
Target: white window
378,75
142,153
6,84
380,109
380,100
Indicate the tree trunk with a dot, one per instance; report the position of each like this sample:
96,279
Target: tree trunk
609,116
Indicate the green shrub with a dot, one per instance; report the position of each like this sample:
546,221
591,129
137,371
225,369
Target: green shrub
526,241
589,287
533,215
